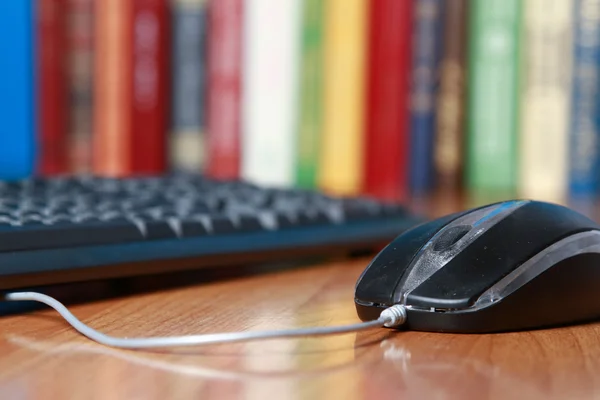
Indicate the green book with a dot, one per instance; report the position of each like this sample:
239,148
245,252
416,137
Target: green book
310,118
492,111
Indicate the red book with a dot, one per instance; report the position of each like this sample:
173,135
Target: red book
224,82
52,88
388,90
149,99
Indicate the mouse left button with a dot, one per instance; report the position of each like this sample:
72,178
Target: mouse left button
450,236
378,282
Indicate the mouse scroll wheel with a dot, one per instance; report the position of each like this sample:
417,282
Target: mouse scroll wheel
450,236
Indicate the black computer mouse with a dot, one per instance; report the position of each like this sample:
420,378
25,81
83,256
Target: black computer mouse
506,266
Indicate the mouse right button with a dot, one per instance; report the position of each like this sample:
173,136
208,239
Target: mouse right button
507,245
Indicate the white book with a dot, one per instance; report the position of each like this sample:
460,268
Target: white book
545,99
271,55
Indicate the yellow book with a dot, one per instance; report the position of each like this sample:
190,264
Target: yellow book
341,166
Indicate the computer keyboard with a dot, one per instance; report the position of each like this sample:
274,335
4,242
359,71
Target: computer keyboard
65,229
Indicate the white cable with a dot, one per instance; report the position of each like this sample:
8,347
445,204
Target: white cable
390,317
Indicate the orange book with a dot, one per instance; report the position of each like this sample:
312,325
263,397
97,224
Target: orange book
112,96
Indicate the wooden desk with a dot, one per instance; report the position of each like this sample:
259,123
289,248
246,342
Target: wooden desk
44,358
41,357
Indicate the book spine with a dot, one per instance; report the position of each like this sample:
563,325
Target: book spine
493,97
388,90
52,87
545,96
425,81
80,29
345,42
270,63
224,88
149,101
112,88
584,139
450,107
18,80
187,147
309,129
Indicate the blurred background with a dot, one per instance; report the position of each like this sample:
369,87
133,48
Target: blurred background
396,99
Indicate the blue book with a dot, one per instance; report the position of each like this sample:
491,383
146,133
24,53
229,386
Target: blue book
424,86
17,85
584,146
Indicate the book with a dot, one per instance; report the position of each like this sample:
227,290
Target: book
80,81
18,80
271,43
52,87
426,49
311,88
112,88
188,79
493,104
388,90
149,38
449,135
224,70
584,141
345,42
545,99
130,91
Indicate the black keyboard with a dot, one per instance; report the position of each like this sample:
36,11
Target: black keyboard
67,229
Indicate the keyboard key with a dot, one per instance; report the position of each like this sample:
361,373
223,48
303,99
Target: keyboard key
313,216
152,228
222,224
247,222
269,220
67,234
199,226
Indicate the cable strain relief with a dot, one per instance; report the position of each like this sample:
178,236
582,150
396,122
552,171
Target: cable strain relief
394,316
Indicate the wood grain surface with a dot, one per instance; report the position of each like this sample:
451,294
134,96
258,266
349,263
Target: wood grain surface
44,358
41,357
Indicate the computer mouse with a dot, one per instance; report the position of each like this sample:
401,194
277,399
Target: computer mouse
507,266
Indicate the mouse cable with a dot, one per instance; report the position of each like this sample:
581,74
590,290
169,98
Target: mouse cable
390,317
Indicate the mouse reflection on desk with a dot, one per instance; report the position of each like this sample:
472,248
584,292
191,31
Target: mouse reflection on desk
502,267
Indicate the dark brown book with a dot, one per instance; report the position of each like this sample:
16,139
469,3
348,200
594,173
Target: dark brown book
80,51
449,131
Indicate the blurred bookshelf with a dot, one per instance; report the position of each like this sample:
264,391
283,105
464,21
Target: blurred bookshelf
399,100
